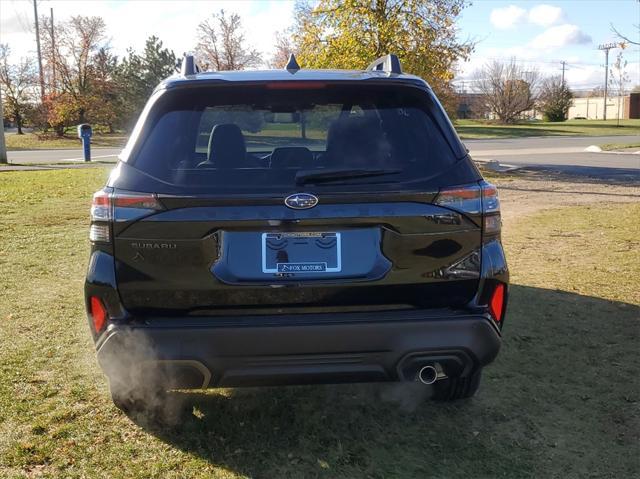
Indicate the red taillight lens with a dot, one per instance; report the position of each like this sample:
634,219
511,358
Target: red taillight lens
99,313
105,205
496,304
465,199
295,85
146,201
100,206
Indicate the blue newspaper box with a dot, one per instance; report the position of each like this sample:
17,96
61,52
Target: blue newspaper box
84,133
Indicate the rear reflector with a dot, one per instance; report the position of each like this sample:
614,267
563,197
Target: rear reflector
98,313
496,304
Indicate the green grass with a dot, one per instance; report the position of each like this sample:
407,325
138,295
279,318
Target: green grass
620,146
561,400
476,129
32,141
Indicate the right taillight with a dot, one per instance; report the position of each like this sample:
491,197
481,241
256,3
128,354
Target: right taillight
492,222
474,199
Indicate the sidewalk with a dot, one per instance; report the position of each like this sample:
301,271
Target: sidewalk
56,165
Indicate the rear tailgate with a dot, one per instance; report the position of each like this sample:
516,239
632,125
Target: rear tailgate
207,259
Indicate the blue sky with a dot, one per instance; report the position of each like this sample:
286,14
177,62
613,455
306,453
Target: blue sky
539,34
542,34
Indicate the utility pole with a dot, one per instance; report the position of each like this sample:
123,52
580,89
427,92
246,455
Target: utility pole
53,55
564,64
3,145
35,13
606,47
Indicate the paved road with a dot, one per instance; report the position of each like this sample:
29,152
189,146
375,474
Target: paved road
55,156
546,142
565,154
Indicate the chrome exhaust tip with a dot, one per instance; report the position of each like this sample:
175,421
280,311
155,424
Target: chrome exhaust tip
428,375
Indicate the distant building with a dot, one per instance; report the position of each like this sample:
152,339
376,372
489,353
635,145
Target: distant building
471,105
592,108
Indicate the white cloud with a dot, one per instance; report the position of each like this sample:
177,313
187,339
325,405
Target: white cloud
507,17
545,15
560,36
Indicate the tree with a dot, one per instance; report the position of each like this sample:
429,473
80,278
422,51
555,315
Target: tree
282,49
555,99
507,89
78,42
138,75
17,82
627,38
618,80
597,92
352,33
221,44
104,95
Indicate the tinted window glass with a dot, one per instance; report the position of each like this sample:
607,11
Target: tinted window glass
255,138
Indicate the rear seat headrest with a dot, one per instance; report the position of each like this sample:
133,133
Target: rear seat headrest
227,147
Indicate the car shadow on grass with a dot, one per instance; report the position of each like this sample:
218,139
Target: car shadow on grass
563,394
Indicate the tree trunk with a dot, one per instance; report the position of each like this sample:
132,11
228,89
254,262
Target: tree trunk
303,125
19,124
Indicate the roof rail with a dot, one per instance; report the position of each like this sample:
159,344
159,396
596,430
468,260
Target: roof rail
388,63
189,66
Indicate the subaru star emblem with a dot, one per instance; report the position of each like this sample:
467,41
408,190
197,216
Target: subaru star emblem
301,201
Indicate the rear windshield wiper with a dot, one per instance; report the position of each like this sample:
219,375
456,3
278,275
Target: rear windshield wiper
322,176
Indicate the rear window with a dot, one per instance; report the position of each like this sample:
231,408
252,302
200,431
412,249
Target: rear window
256,138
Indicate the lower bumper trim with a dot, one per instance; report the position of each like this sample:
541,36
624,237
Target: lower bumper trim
212,356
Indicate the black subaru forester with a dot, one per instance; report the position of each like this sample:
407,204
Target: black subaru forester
293,227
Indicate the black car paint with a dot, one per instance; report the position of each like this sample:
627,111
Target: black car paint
339,329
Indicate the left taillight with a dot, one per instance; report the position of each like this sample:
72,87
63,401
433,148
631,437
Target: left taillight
101,214
107,206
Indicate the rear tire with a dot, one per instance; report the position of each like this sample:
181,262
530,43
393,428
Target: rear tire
451,389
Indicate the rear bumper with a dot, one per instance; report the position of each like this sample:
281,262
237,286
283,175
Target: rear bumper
214,352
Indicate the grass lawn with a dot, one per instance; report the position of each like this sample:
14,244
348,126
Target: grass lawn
562,399
620,146
476,129
31,141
